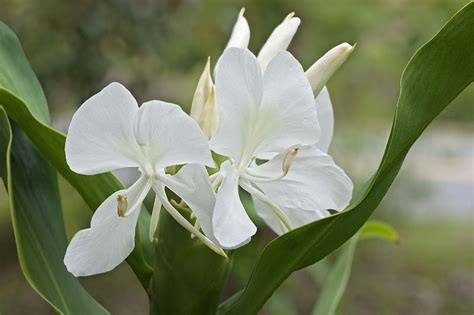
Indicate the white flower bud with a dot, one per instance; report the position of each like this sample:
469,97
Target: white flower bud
322,70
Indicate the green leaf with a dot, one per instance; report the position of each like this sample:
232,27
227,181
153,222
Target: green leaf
379,229
38,223
189,277
336,281
436,74
23,99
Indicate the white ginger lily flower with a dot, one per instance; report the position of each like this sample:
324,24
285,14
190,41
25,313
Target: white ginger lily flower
270,115
108,132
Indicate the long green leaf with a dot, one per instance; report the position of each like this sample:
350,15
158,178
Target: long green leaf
436,74
38,223
23,99
337,279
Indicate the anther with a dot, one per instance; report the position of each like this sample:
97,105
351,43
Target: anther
288,160
122,205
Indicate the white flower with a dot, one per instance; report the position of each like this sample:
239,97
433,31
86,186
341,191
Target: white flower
109,131
270,115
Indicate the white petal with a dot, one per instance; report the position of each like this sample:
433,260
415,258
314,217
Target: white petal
109,240
314,182
279,40
170,137
297,217
240,33
288,109
238,93
100,136
325,118
192,185
322,70
232,225
203,90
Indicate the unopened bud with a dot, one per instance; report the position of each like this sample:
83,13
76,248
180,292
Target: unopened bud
288,160
210,116
240,36
122,205
322,70
203,90
278,40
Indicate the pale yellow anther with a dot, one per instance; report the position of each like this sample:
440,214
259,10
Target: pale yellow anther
288,160
122,205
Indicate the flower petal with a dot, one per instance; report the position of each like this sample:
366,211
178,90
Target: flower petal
287,104
314,182
240,33
279,40
325,118
232,225
297,217
109,240
192,185
100,136
170,137
238,94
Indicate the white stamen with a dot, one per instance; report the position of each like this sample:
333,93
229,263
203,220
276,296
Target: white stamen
286,164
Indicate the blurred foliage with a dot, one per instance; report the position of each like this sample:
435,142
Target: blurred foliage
158,49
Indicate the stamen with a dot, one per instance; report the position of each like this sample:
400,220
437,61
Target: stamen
285,167
122,205
284,220
185,223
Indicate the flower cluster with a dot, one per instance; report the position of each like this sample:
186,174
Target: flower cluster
271,120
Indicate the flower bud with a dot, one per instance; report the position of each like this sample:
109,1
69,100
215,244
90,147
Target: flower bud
240,36
279,40
322,70
203,90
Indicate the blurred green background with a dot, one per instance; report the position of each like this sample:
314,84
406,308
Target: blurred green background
158,49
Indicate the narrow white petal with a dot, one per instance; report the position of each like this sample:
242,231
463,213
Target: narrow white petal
170,137
232,225
240,33
325,118
288,109
155,216
192,185
279,40
160,191
238,94
203,90
314,182
297,217
323,69
100,136
109,240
